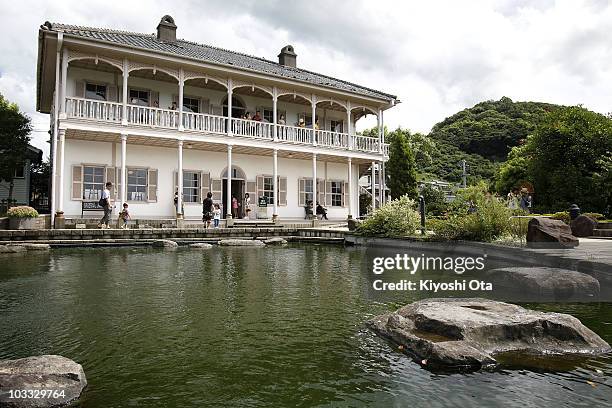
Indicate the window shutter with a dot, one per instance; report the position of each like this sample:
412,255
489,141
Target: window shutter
110,176
152,185
328,193
251,188
204,185
345,196
282,191
77,182
79,89
111,91
175,182
217,189
301,192
260,187
320,192
204,106
153,98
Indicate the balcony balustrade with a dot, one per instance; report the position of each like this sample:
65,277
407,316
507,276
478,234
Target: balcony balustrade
103,111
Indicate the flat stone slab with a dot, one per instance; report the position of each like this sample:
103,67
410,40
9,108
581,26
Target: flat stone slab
275,241
12,249
242,242
36,247
545,283
165,243
200,245
62,377
469,333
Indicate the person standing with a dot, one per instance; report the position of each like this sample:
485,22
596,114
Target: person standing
216,216
247,206
234,207
105,203
207,210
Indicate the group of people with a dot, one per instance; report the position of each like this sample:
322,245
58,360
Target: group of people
319,210
107,206
212,211
519,199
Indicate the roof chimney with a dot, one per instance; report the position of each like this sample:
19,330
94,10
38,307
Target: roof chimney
166,29
287,57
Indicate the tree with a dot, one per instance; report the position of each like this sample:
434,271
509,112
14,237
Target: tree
401,167
569,159
15,128
512,173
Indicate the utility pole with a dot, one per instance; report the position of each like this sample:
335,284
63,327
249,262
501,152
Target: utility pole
463,173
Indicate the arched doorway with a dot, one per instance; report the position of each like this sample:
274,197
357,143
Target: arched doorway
238,188
238,107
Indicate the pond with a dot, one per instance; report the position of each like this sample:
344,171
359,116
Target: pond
245,327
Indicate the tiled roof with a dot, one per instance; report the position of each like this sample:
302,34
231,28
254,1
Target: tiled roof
214,55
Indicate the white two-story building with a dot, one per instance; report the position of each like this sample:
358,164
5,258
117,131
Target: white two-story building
155,114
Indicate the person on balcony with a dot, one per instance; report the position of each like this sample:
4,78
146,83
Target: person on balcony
173,107
257,116
301,123
316,125
281,121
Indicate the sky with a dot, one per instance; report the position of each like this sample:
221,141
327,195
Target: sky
438,57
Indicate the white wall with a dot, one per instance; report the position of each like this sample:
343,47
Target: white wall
165,160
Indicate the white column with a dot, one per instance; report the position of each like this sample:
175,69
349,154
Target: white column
180,99
124,100
380,185
179,203
230,86
314,112
350,188
60,37
274,114
60,180
275,182
348,125
229,182
64,80
314,182
379,125
384,183
123,192
373,185
381,136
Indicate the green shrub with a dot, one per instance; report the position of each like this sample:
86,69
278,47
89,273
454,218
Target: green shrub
594,216
561,215
22,211
476,216
396,219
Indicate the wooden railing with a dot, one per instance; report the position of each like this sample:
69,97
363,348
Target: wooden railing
90,109
93,109
204,123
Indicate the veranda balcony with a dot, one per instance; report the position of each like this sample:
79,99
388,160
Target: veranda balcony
136,115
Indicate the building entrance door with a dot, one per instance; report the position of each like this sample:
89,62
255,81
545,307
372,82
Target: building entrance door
238,190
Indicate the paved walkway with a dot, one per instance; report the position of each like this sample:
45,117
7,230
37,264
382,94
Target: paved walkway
590,250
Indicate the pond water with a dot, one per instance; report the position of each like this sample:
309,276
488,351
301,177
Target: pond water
245,327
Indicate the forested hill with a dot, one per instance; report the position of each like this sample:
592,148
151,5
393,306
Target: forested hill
490,129
482,135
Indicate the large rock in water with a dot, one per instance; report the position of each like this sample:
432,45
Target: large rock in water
545,284
242,242
48,372
469,333
165,243
583,226
545,232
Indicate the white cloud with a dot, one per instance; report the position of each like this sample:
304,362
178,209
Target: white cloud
437,56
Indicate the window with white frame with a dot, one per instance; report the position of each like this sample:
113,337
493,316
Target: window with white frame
191,104
268,114
191,186
137,184
139,97
93,182
336,193
95,91
307,193
268,189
